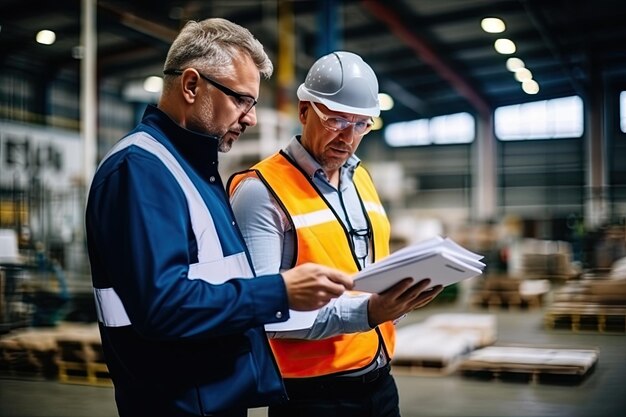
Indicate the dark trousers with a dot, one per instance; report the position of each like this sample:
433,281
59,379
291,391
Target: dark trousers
340,397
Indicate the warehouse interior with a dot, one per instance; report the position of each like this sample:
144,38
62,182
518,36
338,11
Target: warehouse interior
510,140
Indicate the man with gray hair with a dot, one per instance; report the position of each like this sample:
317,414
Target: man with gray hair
180,310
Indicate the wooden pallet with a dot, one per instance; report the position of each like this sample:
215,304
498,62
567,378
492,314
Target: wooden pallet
81,361
530,364
70,352
578,316
425,367
530,376
91,373
27,363
28,353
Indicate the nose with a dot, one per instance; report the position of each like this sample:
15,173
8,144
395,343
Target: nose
347,135
249,118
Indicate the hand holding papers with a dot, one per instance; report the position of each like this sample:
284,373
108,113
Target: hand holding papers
442,260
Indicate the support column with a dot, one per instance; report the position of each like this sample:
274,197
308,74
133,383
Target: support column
88,90
596,200
485,172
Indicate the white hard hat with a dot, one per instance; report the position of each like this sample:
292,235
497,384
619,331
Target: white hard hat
343,82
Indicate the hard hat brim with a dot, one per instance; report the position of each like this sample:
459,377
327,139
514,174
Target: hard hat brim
305,95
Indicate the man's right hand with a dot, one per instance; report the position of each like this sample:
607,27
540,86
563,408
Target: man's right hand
400,299
311,286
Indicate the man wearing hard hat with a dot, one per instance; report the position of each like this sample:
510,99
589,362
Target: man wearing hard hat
313,202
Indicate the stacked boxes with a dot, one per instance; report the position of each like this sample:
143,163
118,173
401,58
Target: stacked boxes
595,304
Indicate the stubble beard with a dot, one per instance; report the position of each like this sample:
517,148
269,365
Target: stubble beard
224,145
330,164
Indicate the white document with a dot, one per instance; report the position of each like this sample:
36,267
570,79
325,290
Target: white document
442,260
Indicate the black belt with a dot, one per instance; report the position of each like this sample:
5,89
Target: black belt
337,382
371,376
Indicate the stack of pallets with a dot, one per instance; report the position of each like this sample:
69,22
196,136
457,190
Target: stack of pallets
71,352
597,304
556,365
28,352
80,359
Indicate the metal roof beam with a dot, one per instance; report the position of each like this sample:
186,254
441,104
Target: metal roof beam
397,26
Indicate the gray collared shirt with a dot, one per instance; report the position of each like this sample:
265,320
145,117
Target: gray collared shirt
270,238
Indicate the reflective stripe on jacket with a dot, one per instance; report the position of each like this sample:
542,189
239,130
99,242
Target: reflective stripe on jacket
212,265
322,238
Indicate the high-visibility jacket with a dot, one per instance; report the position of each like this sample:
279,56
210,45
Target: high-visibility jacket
322,238
181,323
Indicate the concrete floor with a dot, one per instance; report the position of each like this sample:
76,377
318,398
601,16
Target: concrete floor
602,393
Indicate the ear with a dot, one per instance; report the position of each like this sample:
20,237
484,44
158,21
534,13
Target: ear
189,83
303,109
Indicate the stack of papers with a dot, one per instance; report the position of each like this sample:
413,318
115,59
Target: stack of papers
444,261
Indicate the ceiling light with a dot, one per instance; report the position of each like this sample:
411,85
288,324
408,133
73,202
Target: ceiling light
492,25
514,64
153,84
504,46
523,74
46,37
530,87
386,101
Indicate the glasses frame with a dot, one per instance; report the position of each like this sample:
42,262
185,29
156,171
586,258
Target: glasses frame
324,119
244,101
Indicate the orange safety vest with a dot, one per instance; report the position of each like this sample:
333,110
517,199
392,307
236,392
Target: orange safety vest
322,238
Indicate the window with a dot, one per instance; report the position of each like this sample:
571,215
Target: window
548,119
448,129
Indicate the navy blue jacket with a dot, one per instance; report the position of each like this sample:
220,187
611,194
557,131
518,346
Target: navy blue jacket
181,322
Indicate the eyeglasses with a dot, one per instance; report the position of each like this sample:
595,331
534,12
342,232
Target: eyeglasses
243,101
336,123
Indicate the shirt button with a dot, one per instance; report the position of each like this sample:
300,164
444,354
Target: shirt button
233,223
279,315
212,179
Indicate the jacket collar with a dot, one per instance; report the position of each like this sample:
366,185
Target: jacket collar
198,149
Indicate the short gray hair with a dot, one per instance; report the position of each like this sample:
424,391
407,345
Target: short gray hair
214,44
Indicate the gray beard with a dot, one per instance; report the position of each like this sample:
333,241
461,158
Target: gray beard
223,146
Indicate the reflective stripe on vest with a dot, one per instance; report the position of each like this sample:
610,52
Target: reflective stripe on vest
313,219
212,266
321,238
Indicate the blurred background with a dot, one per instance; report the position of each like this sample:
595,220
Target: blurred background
503,127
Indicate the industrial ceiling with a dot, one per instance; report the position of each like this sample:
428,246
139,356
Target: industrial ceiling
431,56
